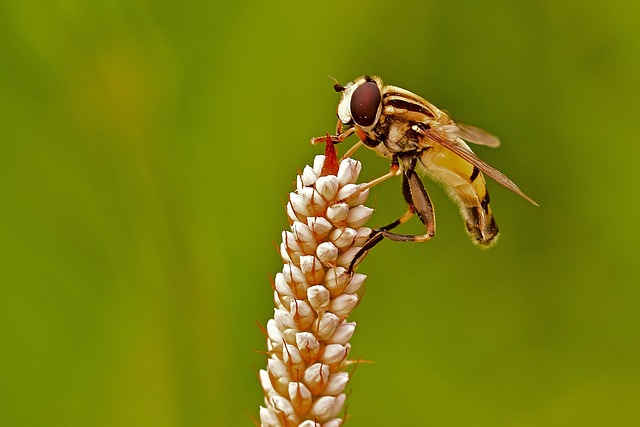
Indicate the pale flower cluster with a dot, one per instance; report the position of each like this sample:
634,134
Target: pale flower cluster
308,337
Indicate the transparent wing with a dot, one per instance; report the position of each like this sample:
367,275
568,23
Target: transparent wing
462,151
477,136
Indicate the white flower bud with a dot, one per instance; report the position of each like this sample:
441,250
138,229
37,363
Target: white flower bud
316,377
299,205
338,404
306,194
309,423
328,186
336,422
347,191
337,213
326,326
282,288
283,319
359,215
309,176
345,258
302,314
312,269
343,333
327,252
292,275
355,284
318,163
343,237
318,204
324,408
292,357
334,354
318,297
348,171
301,397
319,226
283,253
336,279
343,304
336,384
273,332
358,198
291,245
293,216
277,368
308,345
268,418
302,233
281,404
278,375
266,382
362,236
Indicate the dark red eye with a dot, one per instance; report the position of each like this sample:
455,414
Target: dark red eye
364,103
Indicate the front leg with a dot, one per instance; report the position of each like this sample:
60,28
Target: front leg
337,138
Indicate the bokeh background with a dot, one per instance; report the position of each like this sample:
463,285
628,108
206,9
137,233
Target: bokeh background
147,148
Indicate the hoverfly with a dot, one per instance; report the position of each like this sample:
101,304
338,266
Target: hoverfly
415,135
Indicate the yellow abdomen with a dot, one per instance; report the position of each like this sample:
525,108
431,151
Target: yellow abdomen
467,187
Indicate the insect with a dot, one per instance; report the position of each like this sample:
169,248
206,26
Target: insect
415,135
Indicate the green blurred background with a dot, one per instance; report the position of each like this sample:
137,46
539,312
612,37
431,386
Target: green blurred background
147,148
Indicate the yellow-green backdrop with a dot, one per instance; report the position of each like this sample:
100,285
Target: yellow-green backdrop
147,147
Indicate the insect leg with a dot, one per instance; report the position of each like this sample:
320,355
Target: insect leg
336,139
419,202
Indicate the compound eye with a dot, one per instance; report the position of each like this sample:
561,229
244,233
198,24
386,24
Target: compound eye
365,101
